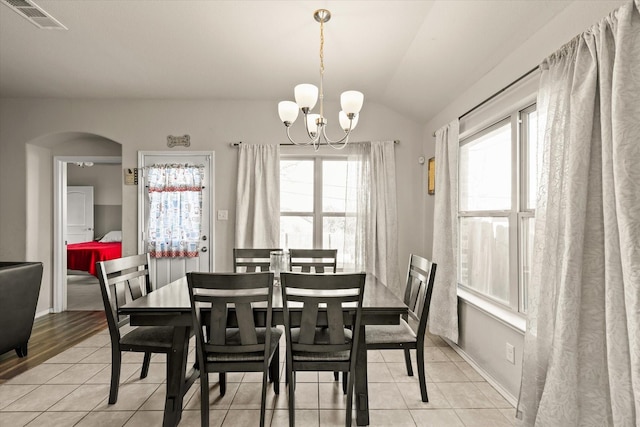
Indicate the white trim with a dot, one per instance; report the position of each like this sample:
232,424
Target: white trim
59,302
43,312
515,321
484,374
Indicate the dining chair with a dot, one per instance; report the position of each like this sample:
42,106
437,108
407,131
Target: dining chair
226,304
313,260
122,280
251,260
410,333
322,317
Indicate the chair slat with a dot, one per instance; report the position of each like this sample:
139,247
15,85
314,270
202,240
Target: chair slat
308,323
218,324
246,323
336,322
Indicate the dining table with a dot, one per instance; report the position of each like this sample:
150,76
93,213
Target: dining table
170,306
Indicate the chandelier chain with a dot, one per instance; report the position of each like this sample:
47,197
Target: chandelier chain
321,96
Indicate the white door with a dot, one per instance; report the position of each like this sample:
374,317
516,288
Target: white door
79,214
166,270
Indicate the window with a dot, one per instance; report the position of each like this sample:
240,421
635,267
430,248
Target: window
497,191
316,206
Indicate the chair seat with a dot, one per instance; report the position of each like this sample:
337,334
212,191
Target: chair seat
149,336
233,338
321,337
389,334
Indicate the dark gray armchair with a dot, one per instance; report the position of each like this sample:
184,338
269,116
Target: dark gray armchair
19,290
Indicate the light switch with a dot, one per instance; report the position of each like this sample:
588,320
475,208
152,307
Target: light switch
223,215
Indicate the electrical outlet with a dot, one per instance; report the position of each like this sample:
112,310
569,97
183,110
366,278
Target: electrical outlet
510,353
223,215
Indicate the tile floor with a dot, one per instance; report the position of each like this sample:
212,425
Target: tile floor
71,389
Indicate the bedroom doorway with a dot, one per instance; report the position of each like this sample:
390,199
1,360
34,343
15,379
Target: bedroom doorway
79,289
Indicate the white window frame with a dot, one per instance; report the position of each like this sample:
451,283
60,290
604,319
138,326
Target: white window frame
318,214
513,312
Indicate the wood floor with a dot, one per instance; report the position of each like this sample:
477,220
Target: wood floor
52,334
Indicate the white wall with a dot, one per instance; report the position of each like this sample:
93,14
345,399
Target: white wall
144,125
105,179
482,337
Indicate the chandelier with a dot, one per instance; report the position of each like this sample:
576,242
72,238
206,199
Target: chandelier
306,96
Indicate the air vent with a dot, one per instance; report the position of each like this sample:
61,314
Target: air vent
34,14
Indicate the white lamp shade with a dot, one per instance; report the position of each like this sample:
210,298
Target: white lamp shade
351,101
306,95
288,111
344,121
312,125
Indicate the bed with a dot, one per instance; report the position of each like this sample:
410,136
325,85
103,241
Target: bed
83,256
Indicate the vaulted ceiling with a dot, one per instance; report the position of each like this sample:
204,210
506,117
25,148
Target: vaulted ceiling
414,57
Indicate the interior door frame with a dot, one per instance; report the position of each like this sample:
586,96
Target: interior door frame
142,199
60,222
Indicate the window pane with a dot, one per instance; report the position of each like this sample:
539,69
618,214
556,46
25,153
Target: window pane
527,233
334,185
334,233
485,171
484,256
531,180
296,232
296,185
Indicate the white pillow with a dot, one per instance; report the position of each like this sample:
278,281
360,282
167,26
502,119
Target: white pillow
112,236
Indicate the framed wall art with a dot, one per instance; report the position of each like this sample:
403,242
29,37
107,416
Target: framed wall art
431,176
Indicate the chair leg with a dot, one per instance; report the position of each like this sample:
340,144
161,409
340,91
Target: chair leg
336,375
21,350
292,397
348,418
263,399
421,373
222,378
116,360
204,398
345,378
145,365
407,361
274,372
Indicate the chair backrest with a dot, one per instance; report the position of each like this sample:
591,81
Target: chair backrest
224,300
420,276
251,260
322,302
121,280
320,260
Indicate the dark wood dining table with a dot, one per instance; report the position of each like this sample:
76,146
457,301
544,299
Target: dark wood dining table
169,306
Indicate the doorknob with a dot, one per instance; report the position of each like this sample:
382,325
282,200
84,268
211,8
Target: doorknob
204,249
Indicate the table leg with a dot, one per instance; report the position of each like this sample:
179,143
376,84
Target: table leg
362,390
176,367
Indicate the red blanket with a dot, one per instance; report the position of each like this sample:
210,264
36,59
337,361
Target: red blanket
83,256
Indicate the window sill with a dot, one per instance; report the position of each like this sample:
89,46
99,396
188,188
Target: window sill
515,321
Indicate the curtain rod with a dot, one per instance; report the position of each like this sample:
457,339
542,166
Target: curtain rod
237,144
522,77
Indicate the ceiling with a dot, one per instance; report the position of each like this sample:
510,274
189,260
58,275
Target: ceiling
414,57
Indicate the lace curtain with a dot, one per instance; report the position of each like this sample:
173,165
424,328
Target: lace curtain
582,346
258,196
443,312
175,210
372,196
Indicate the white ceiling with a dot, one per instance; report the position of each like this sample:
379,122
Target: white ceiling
412,56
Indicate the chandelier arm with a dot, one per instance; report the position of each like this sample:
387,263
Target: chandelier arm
335,143
309,142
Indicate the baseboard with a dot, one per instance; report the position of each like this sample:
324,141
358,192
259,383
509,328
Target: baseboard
484,374
44,312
